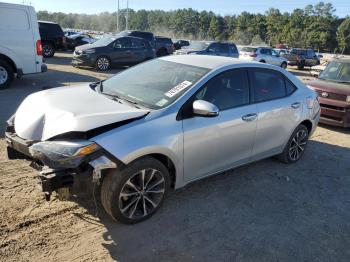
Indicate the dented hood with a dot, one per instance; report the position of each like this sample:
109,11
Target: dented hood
49,113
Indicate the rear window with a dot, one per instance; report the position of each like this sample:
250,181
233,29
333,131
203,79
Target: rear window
164,40
13,19
248,49
50,29
298,52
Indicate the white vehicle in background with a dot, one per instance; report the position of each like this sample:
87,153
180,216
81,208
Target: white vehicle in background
264,55
20,44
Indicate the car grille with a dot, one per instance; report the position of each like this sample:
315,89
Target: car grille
332,95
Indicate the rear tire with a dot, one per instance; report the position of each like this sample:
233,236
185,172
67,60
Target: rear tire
301,65
262,61
6,74
296,145
136,192
48,50
284,65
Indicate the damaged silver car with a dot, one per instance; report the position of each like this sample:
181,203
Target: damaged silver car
161,125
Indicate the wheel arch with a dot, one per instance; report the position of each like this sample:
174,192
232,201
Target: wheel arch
308,124
165,159
9,61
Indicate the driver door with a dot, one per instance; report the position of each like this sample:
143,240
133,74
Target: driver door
214,144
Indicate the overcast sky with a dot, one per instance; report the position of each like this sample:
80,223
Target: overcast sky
223,7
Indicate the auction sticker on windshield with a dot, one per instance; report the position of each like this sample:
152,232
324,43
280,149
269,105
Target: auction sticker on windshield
177,89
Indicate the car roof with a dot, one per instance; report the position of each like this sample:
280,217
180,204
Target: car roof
47,22
209,62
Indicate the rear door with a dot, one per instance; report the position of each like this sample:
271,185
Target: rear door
138,50
121,51
279,110
213,144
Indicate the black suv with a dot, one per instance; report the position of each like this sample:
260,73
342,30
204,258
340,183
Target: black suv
164,46
52,38
141,34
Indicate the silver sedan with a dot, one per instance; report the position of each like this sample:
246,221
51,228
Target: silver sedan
161,125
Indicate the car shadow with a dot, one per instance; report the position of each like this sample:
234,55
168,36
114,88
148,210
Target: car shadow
335,128
301,73
264,211
11,98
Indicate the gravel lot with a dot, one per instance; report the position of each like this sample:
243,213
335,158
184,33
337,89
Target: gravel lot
266,211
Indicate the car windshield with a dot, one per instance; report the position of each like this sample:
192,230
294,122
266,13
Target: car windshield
337,71
154,84
103,41
198,45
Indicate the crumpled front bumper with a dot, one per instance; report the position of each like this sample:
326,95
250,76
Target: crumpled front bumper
54,179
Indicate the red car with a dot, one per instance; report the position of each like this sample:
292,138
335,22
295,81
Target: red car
333,88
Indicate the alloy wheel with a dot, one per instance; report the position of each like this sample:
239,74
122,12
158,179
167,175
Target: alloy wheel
103,63
142,193
298,144
3,75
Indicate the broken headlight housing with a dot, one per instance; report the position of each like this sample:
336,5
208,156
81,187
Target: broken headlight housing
63,154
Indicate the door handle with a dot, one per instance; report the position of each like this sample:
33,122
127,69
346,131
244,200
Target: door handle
249,117
295,105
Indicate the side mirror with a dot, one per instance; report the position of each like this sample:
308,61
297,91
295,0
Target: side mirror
204,108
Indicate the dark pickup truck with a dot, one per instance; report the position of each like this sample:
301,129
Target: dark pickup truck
302,57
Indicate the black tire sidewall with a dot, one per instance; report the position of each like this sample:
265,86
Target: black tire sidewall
115,180
10,74
285,157
284,65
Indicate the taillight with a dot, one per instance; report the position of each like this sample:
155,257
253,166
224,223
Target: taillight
39,48
253,55
298,57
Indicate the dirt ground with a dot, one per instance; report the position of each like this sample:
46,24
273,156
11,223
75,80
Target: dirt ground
266,211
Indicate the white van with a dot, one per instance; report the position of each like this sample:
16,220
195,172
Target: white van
20,44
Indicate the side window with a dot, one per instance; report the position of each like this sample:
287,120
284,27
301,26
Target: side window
122,43
290,88
137,43
213,47
310,53
223,48
274,53
227,90
233,49
267,85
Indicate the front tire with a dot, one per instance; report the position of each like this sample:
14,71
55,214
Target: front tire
296,145
6,74
136,192
103,63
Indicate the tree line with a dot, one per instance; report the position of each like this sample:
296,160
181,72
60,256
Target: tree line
314,26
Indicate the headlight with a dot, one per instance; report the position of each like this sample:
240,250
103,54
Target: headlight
348,99
63,154
90,51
